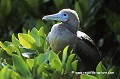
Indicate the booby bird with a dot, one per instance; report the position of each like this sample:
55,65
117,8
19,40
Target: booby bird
66,33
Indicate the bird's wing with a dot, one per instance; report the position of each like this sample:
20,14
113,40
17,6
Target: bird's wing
86,39
87,50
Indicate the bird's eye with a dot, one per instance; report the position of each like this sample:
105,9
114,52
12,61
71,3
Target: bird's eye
65,14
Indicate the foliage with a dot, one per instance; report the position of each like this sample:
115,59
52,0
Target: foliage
43,65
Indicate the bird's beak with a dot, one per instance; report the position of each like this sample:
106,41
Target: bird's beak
58,17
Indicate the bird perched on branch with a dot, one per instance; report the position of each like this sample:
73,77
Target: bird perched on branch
66,33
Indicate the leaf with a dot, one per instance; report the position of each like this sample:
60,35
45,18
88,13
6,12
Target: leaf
20,66
30,63
55,63
84,76
15,41
24,30
41,32
69,61
2,45
100,68
35,34
4,73
27,41
64,56
74,65
9,49
52,55
79,11
42,58
40,69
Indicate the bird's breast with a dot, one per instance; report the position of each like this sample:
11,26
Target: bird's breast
60,38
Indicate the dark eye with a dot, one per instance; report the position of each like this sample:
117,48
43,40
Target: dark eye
65,14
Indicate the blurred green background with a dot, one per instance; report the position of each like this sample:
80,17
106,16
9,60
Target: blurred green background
100,19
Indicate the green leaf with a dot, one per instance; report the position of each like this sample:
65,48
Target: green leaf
52,55
69,61
100,68
2,45
27,41
74,65
30,62
64,55
21,66
55,63
84,76
40,69
41,32
35,34
4,73
24,30
9,48
78,10
42,58
15,41
15,75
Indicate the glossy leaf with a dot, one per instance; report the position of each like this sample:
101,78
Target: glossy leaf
27,41
100,68
69,61
35,34
4,73
40,69
30,63
41,32
52,55
21,66
84,76
64,55
74,65
15,40
41,59
9,49
55,63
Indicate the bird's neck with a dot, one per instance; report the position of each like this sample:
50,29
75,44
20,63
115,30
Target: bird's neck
71,26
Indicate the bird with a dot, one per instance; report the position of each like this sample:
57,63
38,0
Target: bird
66,33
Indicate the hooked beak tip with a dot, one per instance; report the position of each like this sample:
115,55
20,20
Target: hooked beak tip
44,18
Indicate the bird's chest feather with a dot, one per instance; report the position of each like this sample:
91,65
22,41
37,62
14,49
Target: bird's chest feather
59,38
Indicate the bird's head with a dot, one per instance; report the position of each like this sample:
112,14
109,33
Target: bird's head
66,16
